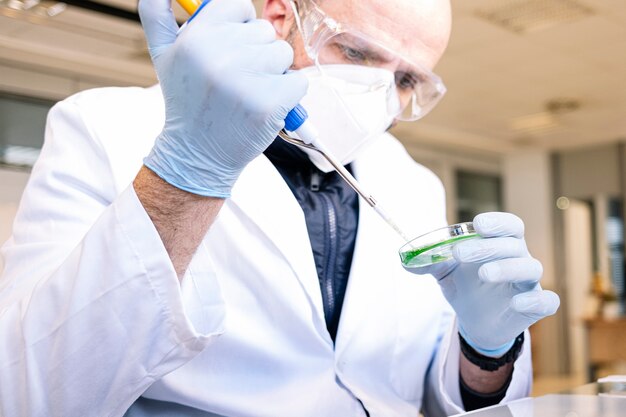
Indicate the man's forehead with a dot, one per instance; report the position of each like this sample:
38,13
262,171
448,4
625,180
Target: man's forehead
418,29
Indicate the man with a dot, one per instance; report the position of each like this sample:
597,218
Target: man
215,281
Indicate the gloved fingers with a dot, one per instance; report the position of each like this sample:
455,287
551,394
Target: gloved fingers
536,304
498,224
485,250
258,31
159,24
293,86
233,11
282,93
273,58
525,271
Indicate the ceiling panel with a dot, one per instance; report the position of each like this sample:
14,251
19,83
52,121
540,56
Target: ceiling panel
467,31
80,41
99,23
609,55
9,26
494,76
79,29
587,33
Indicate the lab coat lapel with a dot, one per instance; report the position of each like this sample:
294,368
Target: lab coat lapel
370,292
263,196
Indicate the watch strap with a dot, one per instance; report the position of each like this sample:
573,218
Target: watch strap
487,363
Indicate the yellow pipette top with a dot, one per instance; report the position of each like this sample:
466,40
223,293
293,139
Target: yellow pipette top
190,6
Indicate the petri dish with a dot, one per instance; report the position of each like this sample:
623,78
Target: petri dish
435,246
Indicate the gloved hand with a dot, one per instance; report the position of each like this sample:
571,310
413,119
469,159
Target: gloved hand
225,89
493,284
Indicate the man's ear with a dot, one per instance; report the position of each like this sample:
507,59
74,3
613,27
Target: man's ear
280,14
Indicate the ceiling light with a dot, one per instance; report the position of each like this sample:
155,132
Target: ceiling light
535,123
547,120
38,7
562,203
56,9
523,16
18,155
22,4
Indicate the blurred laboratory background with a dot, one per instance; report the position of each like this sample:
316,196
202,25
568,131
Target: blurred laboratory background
534,123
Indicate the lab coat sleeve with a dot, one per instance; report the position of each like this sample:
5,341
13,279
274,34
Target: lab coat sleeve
442,395
90,306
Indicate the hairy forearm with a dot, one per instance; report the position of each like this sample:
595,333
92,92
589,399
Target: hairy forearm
181,218
484,382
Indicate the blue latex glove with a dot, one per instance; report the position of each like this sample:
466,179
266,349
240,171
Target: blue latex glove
225,89
493,284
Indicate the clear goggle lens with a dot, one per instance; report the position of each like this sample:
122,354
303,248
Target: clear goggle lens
415,91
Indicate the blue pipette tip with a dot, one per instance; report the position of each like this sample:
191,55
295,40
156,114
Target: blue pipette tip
295,118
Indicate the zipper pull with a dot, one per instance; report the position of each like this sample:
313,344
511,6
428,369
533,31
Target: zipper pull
316,180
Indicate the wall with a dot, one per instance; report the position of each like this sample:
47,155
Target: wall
527,177
587,172
578,271
13,183
528,193
43,83
445,164
590,177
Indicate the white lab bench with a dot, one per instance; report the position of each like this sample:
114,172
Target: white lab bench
592,400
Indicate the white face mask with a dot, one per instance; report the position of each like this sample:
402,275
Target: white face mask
348,105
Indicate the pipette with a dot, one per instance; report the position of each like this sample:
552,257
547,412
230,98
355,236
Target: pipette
191,6
297,122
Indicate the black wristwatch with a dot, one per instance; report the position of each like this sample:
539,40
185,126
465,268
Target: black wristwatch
487,363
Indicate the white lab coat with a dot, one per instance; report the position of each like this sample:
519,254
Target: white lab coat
92,315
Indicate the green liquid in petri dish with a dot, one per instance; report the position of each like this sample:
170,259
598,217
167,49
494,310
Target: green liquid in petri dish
432,254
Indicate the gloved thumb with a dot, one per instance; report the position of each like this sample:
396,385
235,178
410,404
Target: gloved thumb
159,24
536,304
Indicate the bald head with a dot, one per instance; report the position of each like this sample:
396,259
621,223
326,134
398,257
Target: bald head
418,29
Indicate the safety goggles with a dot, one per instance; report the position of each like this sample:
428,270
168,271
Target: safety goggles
416,91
